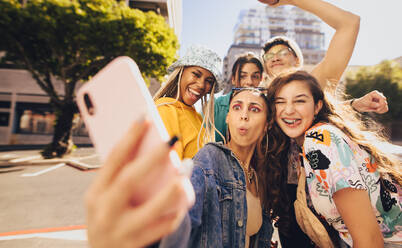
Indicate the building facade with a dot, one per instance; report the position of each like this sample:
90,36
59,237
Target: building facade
256,25
26,116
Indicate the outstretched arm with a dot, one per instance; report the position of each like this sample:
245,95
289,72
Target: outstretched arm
342,43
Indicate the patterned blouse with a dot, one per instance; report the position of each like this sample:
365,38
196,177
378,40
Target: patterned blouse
332,162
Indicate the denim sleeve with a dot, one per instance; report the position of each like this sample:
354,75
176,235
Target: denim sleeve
266,231
198,181
179,238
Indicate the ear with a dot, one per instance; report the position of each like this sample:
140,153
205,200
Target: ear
233,81
226,119
297,62
318,107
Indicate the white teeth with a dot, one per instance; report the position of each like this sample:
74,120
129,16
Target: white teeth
194,92
289,121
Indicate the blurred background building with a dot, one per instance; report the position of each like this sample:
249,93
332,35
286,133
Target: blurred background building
256,25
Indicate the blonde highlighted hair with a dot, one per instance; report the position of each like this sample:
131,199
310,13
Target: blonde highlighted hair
172,89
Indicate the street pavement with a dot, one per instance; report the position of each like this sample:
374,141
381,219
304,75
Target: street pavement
41,201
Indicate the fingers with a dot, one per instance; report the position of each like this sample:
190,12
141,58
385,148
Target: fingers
154,215
378,103
374,101
124,151
383,108
159,229
121,152
272,3
139,179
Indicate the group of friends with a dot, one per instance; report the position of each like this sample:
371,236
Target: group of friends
279,149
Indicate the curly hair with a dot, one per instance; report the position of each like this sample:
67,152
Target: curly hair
340,115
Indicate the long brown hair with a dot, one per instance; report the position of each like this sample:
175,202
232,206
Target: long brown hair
340,115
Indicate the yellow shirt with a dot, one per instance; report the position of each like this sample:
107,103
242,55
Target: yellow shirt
183,121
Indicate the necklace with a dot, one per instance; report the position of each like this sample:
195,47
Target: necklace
249,171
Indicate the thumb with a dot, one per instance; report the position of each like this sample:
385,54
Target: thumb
374,105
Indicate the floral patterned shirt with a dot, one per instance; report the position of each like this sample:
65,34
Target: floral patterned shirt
332,161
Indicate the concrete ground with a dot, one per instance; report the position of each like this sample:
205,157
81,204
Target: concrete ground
42,201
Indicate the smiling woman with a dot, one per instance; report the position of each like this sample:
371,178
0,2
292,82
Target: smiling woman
196,82
353,185
295,109
191,78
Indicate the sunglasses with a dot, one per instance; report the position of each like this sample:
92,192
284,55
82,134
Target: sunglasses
261,90
280,54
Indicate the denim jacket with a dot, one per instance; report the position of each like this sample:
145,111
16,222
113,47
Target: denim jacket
219,215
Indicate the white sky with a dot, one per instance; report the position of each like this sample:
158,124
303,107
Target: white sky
211,22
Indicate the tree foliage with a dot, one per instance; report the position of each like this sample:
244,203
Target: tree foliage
70,40
385,77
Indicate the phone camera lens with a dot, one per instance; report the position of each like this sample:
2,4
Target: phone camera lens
88,104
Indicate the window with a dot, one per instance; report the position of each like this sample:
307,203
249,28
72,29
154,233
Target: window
5,104
4,119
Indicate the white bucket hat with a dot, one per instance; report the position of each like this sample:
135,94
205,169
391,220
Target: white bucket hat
198,55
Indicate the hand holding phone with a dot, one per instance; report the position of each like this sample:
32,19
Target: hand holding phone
111,101
117,204
114,98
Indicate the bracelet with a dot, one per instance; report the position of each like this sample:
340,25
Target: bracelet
351,104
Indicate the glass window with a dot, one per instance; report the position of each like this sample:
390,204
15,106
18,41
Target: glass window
4,119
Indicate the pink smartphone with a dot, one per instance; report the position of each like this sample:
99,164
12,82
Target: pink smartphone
112,100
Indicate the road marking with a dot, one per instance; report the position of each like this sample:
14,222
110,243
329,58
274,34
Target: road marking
8,156
24,159
86,157
65,232
43,171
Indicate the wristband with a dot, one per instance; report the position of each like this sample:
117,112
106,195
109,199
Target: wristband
351,104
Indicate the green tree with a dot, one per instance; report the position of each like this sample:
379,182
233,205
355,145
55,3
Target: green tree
70,40
385,77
